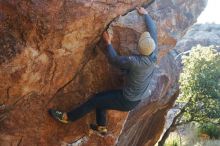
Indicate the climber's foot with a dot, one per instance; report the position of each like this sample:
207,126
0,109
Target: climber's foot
100,129
58,115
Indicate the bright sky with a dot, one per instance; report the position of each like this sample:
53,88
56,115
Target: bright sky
211,14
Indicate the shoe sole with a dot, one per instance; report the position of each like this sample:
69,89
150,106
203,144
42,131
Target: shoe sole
56,118
98,133
92,127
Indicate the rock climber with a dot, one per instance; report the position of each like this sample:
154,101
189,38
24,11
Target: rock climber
140,70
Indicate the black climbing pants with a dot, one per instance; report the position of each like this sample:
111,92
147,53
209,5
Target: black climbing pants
103,101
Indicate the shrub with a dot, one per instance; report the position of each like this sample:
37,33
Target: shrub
200,84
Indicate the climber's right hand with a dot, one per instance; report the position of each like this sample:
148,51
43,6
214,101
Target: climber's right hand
141,10
107,38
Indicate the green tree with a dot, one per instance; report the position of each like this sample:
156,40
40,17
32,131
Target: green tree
199,100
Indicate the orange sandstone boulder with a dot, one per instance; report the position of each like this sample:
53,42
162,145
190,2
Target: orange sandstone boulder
50,57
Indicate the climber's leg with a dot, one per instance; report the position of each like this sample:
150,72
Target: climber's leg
112,99
101,117
95,101
100,127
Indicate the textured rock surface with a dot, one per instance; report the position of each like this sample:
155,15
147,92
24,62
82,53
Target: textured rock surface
47,60
203,34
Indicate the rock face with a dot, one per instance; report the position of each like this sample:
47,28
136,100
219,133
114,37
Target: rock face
49,57
203,34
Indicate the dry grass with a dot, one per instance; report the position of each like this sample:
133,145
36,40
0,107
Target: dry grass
173,140
208,143
189,137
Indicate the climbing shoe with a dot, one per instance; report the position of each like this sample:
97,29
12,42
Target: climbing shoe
58,115
100,129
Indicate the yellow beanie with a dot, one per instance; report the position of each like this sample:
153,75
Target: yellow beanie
146,44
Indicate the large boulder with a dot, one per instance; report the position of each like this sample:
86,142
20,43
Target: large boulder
200,34
50,57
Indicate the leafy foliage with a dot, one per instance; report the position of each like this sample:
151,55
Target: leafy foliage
200,85
200,89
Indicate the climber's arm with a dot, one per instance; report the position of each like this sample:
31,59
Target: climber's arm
122,62
151,27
